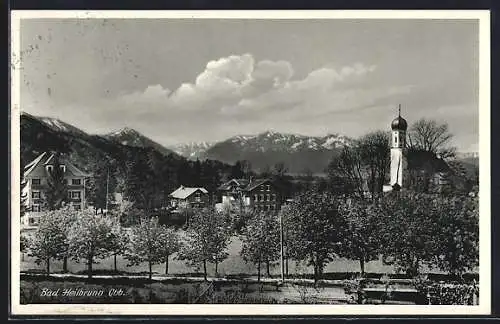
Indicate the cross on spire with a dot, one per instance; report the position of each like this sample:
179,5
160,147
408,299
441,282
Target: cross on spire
399,110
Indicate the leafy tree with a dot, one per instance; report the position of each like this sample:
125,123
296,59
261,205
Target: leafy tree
56,193
315,229
128,214
408,233
456,242
261,240
206,240
170,243
431,136
118,241
145,243
49,240
66,217
362,236
101,186
238,170
90,238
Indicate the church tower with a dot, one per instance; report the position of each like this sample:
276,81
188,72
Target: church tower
398,143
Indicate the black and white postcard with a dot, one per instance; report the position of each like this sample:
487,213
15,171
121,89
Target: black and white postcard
250,162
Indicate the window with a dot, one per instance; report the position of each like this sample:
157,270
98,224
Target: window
198,197
35,208
50,168
268,187
76,182
75,194
35,181
35,195
268,198
274,197
256,197
262,197
62,167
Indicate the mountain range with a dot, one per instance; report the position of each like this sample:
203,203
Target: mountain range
299,153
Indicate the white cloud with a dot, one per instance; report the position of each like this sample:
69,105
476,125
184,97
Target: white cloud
238,85
152,94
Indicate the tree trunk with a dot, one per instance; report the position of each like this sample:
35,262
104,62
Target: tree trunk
48,266
216,267
205,270
268,268
166,265
150,264
65,264
362,265
89,267
114,261
286,267
315,274
258,271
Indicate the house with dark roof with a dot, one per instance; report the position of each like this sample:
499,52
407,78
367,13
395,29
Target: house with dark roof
258,194
189,197
36,177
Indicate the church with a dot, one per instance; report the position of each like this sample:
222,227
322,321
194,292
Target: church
414,168
398,155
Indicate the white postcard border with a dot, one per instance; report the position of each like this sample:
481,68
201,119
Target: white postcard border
484,306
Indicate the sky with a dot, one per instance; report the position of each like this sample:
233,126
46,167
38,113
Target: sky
189,80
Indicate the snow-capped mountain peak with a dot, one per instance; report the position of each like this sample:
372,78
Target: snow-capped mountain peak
131,137
192,150
59,125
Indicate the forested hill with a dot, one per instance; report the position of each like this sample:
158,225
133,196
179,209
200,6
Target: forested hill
143,174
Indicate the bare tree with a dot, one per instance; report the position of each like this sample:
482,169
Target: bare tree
280,169
375,156
431,136
346,172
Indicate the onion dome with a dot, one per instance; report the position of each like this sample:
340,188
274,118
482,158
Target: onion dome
399,124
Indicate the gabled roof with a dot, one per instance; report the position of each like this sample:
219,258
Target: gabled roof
419,159
244,184
32,165
184,192
240,183
254,184
45,159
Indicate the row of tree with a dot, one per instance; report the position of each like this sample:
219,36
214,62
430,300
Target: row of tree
409,230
